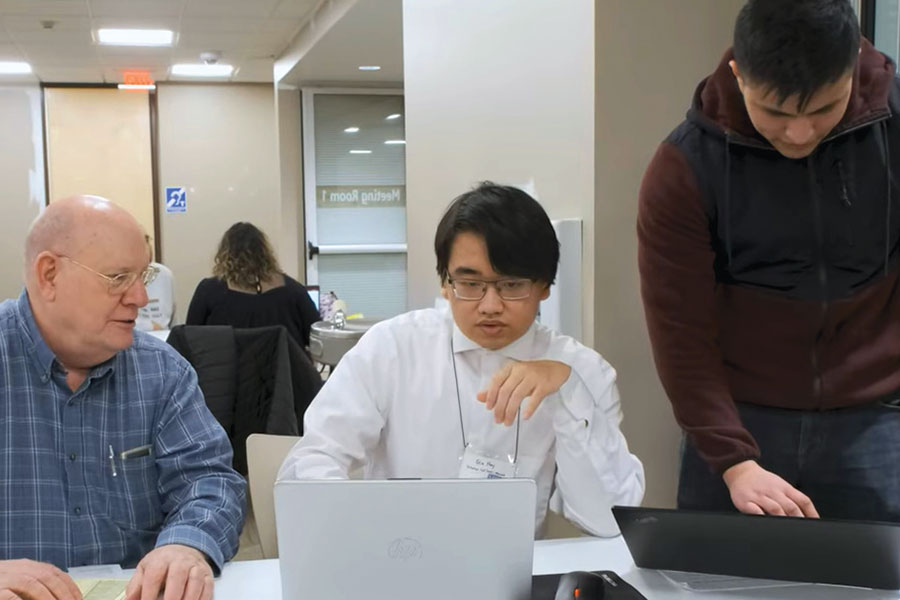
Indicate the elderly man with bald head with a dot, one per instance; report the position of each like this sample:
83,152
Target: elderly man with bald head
108,453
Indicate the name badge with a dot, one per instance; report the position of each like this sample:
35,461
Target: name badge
478,465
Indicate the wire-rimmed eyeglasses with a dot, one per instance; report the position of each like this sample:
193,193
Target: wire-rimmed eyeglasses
120,283
476,289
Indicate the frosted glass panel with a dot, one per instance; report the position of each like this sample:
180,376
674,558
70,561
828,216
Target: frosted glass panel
335,165
373,284
338,169
362,225
887,27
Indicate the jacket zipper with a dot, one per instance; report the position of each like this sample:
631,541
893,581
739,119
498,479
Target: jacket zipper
823,277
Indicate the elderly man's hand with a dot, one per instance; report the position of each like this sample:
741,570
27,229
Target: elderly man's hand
533,379
180,572
27,579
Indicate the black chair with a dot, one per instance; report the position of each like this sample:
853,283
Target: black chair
256,380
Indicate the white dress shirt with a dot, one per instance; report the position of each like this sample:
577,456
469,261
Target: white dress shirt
390,408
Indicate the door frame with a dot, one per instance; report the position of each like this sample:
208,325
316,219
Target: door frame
308,119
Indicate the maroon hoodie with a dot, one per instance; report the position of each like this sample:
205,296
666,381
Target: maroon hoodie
769,280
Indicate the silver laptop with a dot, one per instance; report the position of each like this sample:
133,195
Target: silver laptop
440,539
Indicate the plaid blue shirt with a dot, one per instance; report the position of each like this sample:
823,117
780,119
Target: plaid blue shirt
68,494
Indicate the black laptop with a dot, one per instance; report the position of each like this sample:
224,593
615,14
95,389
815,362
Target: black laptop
857,553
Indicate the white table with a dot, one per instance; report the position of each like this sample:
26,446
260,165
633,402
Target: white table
262,579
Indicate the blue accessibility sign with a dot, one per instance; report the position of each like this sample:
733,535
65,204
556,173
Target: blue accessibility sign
176,200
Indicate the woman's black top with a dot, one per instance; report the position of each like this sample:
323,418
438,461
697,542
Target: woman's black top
289,305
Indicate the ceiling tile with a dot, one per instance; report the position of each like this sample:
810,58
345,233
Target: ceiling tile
129,51
214,41
254,70
222,24
42,52
61,65
135,62
51,8
137,22
262,49
70,74
247,32
61,59
298,9
10,52
286,28
136,8
192,55
34,24
52,38
229,8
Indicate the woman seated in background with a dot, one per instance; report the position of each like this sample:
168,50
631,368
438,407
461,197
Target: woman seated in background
248,288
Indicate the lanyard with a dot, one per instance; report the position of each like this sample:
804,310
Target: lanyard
462,429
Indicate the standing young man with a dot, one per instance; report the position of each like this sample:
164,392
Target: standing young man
768,228
433,393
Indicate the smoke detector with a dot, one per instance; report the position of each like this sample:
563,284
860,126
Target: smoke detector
211,57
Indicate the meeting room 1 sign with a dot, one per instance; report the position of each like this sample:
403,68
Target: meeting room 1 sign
353,196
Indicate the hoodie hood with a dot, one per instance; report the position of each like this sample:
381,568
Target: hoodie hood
718,104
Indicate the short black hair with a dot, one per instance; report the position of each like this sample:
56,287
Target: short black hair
796,47
520,240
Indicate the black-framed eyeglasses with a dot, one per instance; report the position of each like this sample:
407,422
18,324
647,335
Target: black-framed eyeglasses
118,284
475,289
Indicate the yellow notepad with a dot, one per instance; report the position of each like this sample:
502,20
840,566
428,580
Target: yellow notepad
102,589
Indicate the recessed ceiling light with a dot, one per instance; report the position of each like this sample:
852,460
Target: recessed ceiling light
134,86
351,130
201,70
135,37
369,68
360,152
14,68
394,142
392,117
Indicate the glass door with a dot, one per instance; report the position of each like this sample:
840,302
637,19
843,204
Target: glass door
355,197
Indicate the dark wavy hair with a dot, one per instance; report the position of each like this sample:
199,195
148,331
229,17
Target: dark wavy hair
245,257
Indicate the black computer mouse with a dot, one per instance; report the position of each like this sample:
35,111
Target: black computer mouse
581,585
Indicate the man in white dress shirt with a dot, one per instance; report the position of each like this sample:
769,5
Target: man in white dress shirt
481,390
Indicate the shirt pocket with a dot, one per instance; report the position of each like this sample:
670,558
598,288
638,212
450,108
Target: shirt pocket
134,502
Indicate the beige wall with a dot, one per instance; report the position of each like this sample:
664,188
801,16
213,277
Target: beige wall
502,91
98,142
292,254
649,61
220,142
22,177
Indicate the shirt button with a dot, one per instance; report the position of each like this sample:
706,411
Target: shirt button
73,456
77,510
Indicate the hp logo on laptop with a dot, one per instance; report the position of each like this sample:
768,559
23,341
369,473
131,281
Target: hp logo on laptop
405,548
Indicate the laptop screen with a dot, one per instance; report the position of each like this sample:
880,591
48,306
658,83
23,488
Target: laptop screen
858,553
